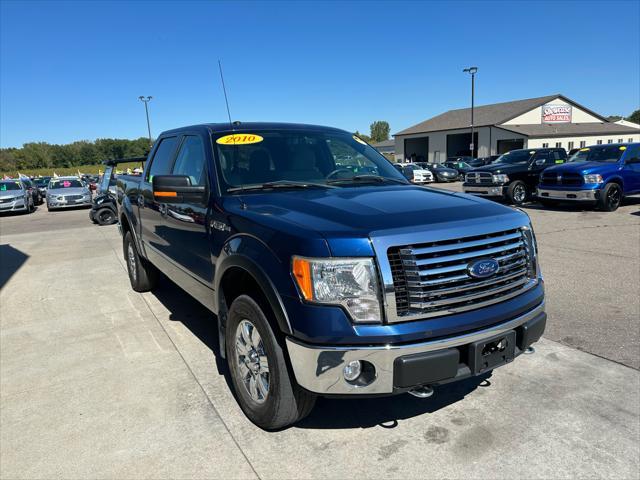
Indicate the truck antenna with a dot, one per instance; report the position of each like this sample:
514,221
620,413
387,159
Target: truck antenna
226,100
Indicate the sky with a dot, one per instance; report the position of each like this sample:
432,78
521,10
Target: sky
74,70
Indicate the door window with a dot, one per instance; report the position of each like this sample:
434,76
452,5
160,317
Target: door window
161,163
191,160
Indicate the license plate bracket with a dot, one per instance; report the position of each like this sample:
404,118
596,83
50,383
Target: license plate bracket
490,353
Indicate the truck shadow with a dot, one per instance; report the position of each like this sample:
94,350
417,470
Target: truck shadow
329,413
386,412
11,260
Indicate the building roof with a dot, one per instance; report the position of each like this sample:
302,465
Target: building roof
569,129
485,115
384,143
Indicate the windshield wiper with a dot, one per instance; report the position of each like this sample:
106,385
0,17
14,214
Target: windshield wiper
368,178
279,184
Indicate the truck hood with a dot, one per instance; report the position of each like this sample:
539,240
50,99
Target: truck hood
366,212
584,167
501,168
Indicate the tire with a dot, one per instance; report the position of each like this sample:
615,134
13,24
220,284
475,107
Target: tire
610,197
271,399
142,275
517,193
105,216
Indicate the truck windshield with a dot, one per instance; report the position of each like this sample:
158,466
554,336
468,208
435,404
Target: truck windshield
604,153
515,156
314,158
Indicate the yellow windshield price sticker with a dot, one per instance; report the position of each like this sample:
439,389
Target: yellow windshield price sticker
240,139
584,149
623,148
560,161
359,140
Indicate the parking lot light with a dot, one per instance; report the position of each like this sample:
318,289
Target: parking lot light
472,71
146,100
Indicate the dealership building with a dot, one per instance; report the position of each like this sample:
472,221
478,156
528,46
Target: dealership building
551,121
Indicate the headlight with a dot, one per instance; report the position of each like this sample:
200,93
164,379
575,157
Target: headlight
531,245
500,178
99,201
593,178
349,282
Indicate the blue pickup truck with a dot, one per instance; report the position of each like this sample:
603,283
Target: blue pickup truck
600,175
327,282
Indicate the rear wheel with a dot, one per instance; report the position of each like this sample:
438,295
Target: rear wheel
517,193
105,216
266,392
610,197
142,275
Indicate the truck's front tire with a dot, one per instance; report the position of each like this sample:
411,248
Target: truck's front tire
517,192
265,390
610,197
142,275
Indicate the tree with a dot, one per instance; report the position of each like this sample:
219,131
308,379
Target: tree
379,131
634,117
614,118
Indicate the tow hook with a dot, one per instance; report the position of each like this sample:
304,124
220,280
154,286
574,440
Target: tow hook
422,391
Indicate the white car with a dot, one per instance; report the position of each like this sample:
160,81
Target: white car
416,174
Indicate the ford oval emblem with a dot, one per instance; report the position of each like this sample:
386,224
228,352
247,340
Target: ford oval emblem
483,268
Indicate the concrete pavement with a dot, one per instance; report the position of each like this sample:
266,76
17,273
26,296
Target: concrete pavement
97,381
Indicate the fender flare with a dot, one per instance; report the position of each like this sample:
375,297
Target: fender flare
127,213
262,279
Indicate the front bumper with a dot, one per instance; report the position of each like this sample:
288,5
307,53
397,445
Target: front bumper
15,206
587,195
485,190
319,369
53,204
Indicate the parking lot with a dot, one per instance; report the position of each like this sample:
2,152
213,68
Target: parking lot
99,381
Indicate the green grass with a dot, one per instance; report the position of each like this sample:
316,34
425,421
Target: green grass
91,169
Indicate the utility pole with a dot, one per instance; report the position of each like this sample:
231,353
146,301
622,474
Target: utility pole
146,100
472,71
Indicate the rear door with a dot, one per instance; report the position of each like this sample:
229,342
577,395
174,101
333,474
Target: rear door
185,225
152,212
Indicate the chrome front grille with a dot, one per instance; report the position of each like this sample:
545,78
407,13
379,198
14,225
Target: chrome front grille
482,178
433,279
73,197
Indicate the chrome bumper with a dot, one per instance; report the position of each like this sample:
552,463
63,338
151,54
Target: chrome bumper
568,195
487,191
319,368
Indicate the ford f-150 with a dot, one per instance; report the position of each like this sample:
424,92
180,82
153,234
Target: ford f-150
326,282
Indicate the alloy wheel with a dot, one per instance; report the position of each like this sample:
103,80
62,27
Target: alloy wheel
252,361
131,258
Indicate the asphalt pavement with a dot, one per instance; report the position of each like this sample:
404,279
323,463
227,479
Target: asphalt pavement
97,381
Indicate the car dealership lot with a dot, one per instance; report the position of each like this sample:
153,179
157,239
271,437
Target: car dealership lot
98,381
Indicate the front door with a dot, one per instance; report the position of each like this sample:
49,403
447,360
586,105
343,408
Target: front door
632,169
151,212
185,225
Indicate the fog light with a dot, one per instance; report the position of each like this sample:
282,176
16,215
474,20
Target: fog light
352,370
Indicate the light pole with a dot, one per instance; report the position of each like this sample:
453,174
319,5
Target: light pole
146,100
472,71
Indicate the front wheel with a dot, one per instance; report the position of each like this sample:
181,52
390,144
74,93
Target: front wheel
265,390
517,193
610,197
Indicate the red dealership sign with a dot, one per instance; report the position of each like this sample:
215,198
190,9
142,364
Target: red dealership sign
556,114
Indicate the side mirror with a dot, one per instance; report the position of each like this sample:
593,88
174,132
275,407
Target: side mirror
176,189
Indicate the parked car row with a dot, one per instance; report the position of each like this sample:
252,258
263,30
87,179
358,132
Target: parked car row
23,194
601,175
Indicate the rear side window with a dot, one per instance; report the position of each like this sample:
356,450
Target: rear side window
191,160
161,163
